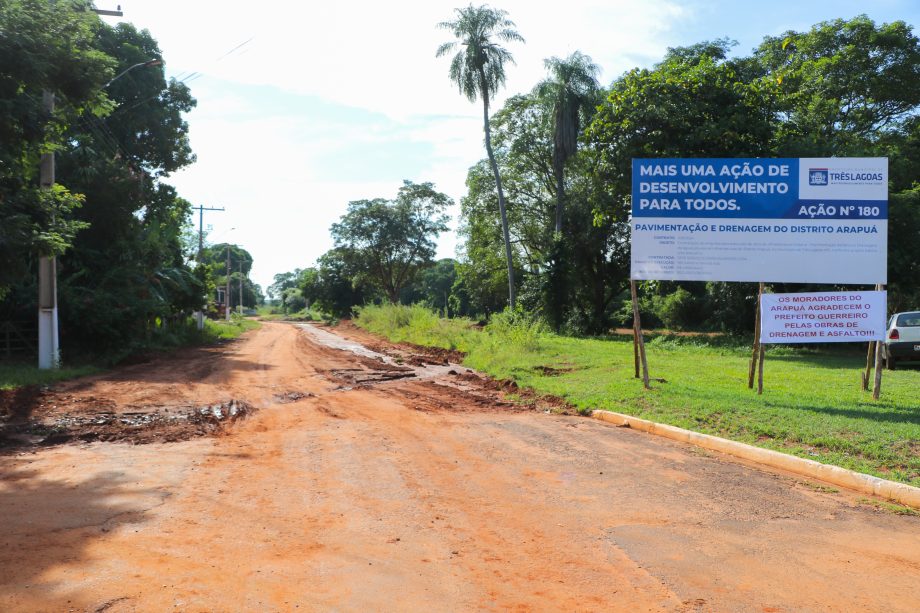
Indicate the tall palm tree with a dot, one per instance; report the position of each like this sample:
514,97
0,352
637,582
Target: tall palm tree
478,69
572,90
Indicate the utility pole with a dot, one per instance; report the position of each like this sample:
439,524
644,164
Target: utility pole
199,315
49,356
240,305
228,282
49,350
201,210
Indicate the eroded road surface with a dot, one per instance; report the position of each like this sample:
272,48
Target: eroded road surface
361,483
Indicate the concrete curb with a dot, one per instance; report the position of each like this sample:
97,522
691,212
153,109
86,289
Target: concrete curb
867,484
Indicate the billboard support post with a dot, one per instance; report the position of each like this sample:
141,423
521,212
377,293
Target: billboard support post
870,356
637,331
870,359
636,350
756,351
877,388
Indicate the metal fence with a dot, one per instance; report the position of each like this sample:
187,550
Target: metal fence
18,339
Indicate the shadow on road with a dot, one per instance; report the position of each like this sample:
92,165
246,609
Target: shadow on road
48,525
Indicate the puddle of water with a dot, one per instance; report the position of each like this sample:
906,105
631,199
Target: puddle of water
332,341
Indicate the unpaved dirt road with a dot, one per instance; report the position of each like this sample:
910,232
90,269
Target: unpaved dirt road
361,485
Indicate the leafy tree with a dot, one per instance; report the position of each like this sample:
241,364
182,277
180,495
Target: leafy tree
293,300
42,50
436,283
478,69
336,287
284,281
126,273
390,241
844,85
904,251
695,103
216,256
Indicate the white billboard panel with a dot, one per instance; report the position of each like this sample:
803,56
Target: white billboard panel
808,220
825,317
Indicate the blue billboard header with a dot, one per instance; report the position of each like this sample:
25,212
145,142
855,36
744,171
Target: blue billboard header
760,188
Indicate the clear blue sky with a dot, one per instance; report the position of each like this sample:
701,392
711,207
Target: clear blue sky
305,106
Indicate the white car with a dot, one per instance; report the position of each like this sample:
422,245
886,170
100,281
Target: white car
902,342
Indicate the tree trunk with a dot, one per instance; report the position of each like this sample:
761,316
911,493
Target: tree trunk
498,184
560,197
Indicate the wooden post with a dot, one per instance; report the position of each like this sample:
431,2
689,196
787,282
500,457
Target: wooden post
870,358
756,351
637,326
635,347
760,371
877,388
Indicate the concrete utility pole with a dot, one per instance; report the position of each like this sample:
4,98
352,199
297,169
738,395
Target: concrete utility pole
240,305
49,350
49,355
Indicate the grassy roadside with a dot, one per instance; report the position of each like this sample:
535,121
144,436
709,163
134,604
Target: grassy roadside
215,330
19,374
273,313
812,404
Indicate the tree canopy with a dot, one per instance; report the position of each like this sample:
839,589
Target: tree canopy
390,241
118,231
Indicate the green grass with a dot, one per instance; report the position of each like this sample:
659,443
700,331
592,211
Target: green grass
889,507
812,405
418,325
225,330
272,313
19,375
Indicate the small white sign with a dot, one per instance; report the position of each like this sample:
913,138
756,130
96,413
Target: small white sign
825,317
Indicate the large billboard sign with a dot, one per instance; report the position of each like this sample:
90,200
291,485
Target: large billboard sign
825,317
792,220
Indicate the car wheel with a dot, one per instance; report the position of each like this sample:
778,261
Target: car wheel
890,362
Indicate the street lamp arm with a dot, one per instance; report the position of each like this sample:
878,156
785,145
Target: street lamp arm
155,62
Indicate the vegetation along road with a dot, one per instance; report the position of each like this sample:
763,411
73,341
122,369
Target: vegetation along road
391,479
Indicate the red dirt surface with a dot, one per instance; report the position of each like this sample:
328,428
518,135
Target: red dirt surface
348,489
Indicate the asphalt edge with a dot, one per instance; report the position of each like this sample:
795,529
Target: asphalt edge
866,484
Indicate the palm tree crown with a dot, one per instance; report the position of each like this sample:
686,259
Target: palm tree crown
572,90
478,68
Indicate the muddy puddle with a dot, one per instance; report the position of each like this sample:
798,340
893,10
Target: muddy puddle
143,425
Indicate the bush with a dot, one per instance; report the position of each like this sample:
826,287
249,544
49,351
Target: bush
416,324
518,328
678,310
